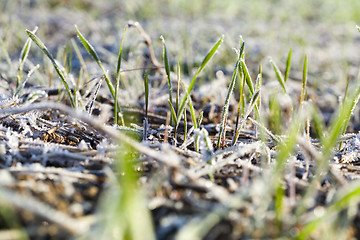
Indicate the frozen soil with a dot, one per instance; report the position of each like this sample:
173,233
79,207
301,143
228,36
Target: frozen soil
57,162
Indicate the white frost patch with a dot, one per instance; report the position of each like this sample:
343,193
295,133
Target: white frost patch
13,141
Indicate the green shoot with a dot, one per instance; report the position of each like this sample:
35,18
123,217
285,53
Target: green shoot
23,55
201,116
278,75
185,126
288,63
345,95
251,107
192,110
167,68
193,117
42,46
348,196
242,87
228,95
178,88
247,77
286,148
202,66
146,85
172,110
124,209
93,53
67,58
197,137
117,83
329,142
258,87
303,87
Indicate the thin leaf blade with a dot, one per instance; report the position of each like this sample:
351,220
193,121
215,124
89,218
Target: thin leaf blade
42,46
207,58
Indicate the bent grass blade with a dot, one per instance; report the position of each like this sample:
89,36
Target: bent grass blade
42,46
202,66
288,63
117,82
279,76
23,55
92,52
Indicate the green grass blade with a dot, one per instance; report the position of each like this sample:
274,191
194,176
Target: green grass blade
178,88
126,203
258,87
352,196
192,113
278,74
353,106
329,142
288,63
192,110
93,53
241,99
251,107
67,57
247,77
279,206
167,67
89,48
258,84
202,66
69,63
42,46
286,148
253,101
206,60
117,82
173,113
304,80
23,55
228,95
146,85
342,119
201,116
120,54
185,126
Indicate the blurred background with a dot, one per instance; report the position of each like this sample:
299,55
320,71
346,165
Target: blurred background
325,31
